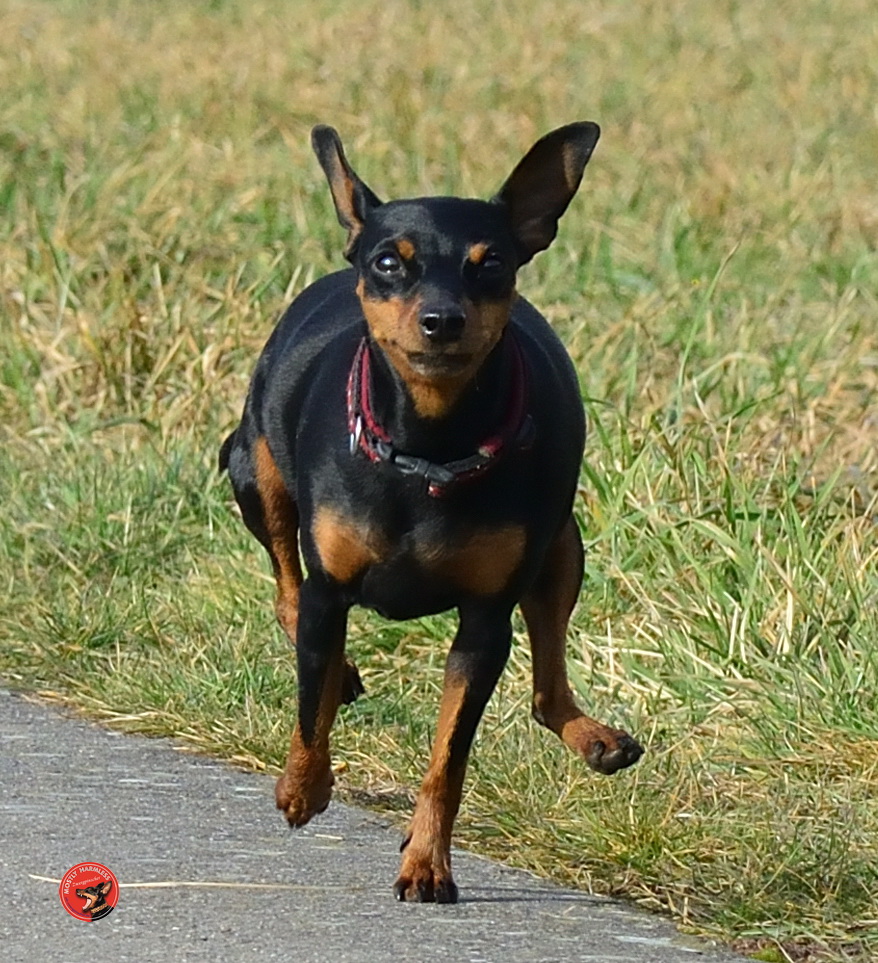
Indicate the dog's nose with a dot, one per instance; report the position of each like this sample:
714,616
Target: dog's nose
443,327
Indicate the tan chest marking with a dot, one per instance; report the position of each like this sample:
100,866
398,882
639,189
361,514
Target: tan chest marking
483,564
345,547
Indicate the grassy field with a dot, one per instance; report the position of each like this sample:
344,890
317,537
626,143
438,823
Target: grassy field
716,283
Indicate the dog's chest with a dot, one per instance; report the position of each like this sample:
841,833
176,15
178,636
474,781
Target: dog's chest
419,570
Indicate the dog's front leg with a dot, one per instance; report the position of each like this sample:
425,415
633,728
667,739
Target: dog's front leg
476,659
305,787
547,607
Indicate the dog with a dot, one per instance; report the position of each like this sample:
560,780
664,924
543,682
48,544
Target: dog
95,897
415,428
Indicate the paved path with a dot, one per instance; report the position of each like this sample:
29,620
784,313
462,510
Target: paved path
71,791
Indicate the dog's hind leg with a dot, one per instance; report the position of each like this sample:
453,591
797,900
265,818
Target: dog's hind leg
305,787
273,518
546,608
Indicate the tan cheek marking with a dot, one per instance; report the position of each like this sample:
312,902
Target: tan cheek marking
485,323
484,564
389,319
393,324
345,548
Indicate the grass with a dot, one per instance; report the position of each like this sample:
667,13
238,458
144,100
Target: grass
715,282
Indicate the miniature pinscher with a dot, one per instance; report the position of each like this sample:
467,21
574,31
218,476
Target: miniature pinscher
416,427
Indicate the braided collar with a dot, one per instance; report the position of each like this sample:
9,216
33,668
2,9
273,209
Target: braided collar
367,435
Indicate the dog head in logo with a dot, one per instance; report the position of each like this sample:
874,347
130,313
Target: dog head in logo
96,899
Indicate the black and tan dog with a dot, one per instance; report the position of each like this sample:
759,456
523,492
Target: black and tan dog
416,427
95,897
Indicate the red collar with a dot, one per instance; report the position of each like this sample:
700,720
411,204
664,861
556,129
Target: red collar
516,430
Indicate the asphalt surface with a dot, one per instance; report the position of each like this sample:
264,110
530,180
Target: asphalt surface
71,791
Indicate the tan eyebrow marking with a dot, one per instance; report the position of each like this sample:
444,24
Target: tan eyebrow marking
406,248
477,252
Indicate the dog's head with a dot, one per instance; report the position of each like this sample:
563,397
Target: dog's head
94,896
436,275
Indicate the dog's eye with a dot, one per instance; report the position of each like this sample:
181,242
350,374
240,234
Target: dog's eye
387,264
491,263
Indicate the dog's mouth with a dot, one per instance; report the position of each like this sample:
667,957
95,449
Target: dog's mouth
436,364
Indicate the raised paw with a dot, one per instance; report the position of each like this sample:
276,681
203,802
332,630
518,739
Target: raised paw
606,750
301,797
614,752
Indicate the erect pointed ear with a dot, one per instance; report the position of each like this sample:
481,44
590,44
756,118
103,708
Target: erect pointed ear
352,198
538,191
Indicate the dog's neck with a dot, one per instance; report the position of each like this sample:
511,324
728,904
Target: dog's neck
480,409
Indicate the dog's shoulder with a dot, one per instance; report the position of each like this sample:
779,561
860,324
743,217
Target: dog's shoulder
324,309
